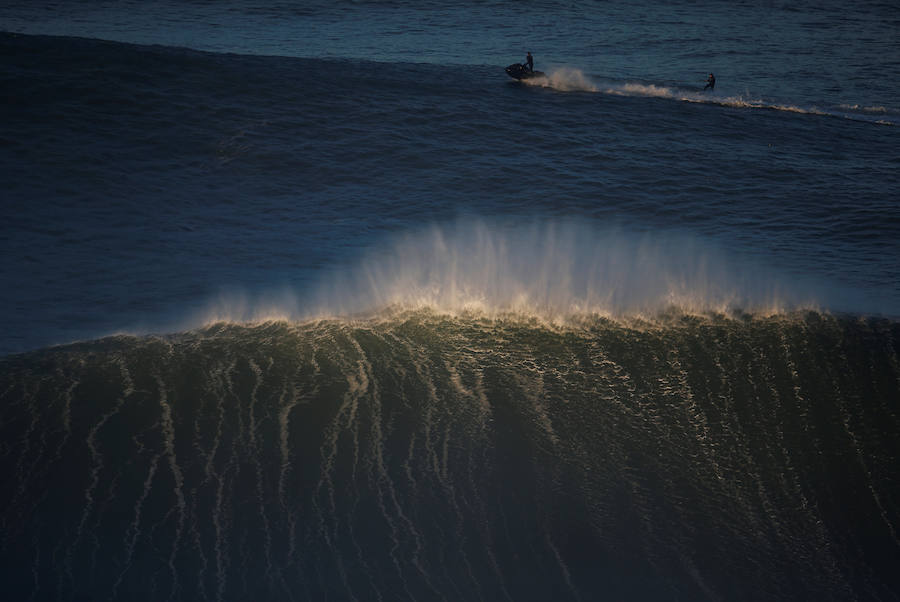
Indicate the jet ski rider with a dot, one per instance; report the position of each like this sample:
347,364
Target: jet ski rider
529,62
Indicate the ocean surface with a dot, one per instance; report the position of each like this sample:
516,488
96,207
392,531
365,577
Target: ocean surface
310,301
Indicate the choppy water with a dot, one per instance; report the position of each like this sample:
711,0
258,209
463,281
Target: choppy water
399,326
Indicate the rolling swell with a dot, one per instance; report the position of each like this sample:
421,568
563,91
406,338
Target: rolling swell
424,457
177,174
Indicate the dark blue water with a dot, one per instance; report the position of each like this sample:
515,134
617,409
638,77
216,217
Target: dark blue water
701,268
144,185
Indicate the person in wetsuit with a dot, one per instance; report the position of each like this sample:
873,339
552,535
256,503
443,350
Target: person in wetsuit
529,62
710,82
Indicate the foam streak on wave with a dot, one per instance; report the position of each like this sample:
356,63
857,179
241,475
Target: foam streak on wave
455,458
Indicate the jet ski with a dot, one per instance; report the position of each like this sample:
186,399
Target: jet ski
517,71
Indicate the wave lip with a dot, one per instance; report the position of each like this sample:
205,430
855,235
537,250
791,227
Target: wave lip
554,270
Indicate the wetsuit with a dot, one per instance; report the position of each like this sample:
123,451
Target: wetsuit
529,62
710,82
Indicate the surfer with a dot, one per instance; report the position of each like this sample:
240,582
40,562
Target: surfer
710,82
529,62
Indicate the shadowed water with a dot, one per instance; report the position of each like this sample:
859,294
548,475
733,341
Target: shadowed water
423,457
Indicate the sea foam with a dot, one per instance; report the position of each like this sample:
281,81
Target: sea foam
564,79
555,270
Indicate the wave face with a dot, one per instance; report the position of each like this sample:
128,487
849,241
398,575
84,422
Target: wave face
419,456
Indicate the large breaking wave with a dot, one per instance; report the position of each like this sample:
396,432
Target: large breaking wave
425,456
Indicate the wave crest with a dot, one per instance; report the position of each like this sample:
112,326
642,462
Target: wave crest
554,270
